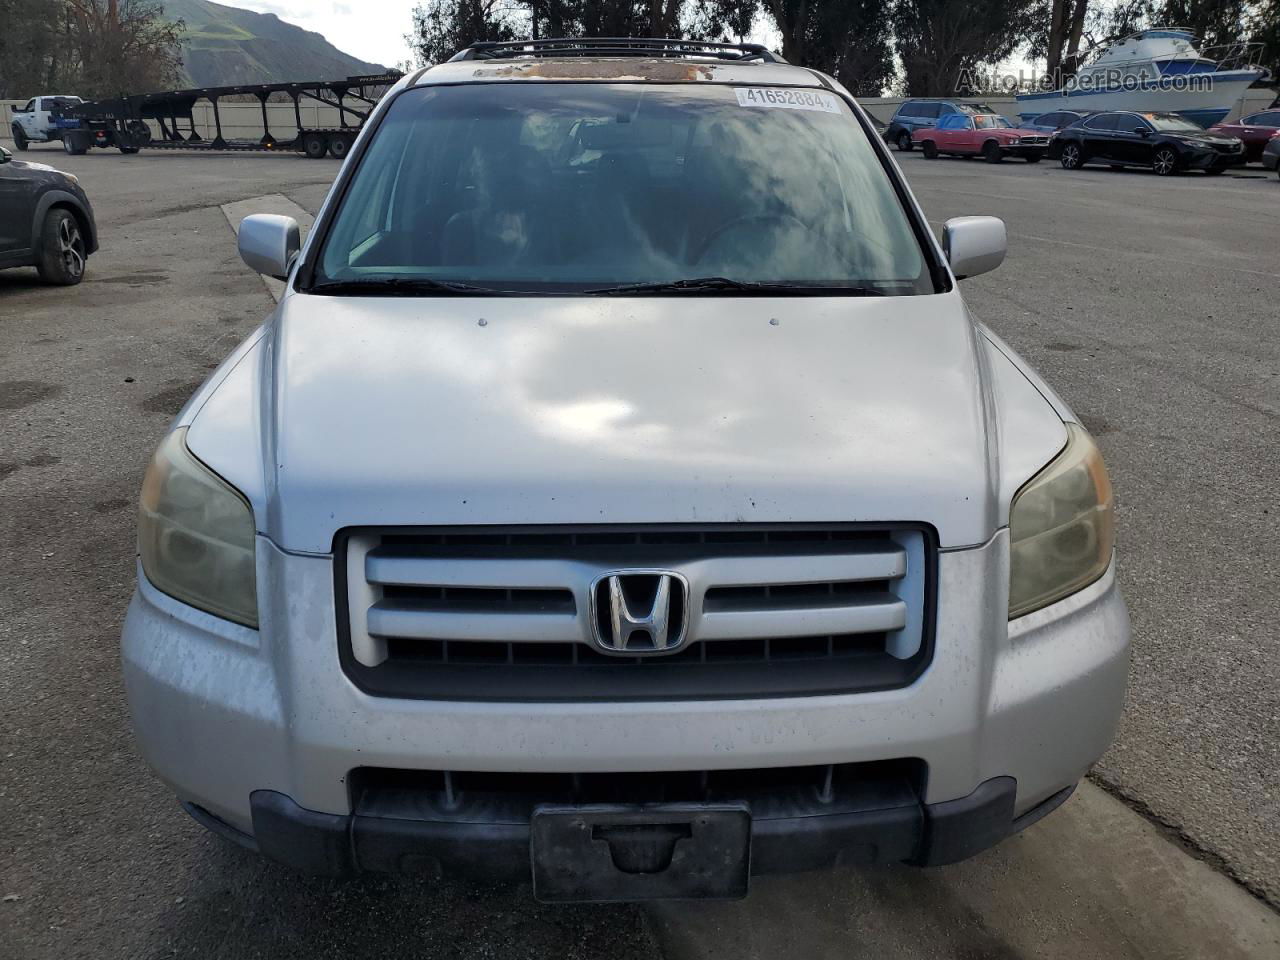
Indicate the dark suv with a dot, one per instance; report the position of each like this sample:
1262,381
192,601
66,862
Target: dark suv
914,114
46,221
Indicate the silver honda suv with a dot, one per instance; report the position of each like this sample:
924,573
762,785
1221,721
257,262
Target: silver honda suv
621,498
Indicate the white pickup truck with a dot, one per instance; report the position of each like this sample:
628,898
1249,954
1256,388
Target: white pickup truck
37,121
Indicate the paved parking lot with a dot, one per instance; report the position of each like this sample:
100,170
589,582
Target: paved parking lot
1150,304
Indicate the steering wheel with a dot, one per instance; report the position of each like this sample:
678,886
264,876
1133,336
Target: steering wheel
736,222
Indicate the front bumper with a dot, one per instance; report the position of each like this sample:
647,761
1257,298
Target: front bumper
229,716
1213,160
339,845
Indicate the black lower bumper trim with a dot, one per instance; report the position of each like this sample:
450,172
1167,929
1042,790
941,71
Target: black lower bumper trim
923,834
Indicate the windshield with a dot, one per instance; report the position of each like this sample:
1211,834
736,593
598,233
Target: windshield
1172,121
989,123
568,187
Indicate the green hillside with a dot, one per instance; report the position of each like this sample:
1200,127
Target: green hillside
227,46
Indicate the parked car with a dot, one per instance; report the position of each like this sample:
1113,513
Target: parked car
38,120
987,135
1271,154
1057,120
46,221
622,468
1166,142
914,114
1255,130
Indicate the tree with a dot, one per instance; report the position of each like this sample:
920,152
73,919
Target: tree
941,41
1264,28
1063,31
92,48
849,39
27,44
443,27
1216,22
122,46
1066,26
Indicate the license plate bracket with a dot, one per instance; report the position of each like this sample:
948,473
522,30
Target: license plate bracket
606,853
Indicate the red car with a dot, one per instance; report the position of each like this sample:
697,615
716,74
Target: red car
985,134
1255,130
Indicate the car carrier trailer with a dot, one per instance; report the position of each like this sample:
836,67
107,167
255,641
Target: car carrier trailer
122,122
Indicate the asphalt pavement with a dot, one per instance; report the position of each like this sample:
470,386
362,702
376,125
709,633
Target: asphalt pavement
1150,304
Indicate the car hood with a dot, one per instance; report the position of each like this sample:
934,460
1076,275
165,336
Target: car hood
395,411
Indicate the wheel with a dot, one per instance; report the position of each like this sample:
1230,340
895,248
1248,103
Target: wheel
991,152
904,141
68,147
1165,162
140,131
338,147
128,150
62,249
1035,156
930,150
1072,158
19,138
315,145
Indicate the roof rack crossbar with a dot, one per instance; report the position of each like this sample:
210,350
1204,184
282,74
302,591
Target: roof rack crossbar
618,47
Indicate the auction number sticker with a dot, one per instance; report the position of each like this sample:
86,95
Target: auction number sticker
787,99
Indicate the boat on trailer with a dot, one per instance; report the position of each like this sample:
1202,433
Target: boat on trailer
1158,70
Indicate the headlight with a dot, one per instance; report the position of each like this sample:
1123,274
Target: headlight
1015,139
196,535
1061,527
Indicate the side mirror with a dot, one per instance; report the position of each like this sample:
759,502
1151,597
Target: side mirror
1142,131
5,155
974,245
269,242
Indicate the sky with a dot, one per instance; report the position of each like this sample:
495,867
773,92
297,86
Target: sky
372,30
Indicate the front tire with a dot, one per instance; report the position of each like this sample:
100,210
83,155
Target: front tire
991,152
62,249
1165,162
930,150
1072,158
19,138
904,142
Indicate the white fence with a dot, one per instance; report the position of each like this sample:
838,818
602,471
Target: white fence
243,121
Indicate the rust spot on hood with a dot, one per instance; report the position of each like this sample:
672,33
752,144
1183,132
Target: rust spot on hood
603,69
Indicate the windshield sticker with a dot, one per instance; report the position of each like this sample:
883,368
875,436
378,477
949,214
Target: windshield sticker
787,99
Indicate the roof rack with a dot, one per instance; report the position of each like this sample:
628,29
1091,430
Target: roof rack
617,47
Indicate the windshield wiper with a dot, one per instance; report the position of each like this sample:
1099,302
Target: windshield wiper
396,287
714,284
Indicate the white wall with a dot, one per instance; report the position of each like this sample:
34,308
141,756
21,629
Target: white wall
244,120
240,121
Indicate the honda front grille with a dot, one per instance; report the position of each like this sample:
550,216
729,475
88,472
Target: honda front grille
632,613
